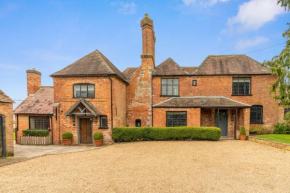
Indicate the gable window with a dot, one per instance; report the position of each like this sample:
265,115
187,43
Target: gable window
103,122
175,119
169,86
84,90
241,86
137,123
256,114
194,82
39,123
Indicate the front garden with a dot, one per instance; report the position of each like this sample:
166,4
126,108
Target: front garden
280,138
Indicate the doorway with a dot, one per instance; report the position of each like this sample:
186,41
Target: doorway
85,131
221,121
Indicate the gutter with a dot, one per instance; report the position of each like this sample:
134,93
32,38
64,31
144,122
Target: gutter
110,78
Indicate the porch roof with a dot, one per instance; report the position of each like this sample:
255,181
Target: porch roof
201,102
88,105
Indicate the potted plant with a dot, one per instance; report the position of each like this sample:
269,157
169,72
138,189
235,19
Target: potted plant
67,138
243,133
98,138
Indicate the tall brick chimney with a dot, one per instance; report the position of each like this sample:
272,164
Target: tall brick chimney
33,81
148,38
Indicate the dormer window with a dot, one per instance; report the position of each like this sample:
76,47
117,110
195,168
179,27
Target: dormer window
84,90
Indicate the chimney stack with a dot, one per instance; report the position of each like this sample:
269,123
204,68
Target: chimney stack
33,81
148,38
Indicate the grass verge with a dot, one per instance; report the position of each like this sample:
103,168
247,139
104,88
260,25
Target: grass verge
282,138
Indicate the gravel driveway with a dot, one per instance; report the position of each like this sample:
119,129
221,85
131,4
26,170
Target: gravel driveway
191,166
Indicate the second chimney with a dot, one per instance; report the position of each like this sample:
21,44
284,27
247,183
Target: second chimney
33,81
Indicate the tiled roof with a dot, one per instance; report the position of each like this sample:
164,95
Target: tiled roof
128,72
4,98
200,102
230,65
214,65
190,70
39,103
93,64
88,106
169,67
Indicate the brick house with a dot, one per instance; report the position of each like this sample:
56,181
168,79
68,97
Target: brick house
6,125
92,95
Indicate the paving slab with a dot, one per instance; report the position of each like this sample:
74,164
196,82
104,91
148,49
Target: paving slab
24,152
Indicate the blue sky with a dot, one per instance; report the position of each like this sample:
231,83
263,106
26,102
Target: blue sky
49,35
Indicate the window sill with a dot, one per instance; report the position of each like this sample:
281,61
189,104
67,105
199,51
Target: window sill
103,127
257,123
84,97
242,95
169,95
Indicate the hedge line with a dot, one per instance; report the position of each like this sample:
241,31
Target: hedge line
35,132
128,134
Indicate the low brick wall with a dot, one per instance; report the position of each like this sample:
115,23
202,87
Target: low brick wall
270,143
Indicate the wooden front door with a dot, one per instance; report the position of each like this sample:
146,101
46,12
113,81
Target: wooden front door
85,131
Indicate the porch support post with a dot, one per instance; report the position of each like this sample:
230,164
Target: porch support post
218,117
235,130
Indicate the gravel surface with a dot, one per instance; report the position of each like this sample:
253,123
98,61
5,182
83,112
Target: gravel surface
190,166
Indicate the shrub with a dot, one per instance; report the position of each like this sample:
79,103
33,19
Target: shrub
253,130
35,132
128,134
281,128
67,135
260,130
243,131
98,136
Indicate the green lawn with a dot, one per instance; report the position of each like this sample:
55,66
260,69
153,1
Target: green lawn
282,138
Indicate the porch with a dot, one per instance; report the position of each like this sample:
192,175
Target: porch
205,111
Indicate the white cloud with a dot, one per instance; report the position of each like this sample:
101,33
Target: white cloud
203,3
127,8
251,42
254,14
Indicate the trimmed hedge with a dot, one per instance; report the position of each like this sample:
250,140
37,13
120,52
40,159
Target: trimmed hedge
35,132
128,134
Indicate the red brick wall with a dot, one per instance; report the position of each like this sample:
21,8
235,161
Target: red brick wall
6,109
222,86
119,103
33,82
139,91
193,116
23,124
63,94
